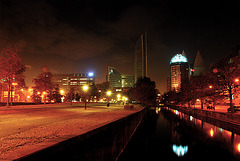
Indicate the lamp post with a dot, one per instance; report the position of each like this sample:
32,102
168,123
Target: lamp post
85,88
44,95
108,94
62,95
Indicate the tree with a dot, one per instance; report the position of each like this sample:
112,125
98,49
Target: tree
144,91
200,87
56,95
70,95
12,68
94,94
225,74
44,84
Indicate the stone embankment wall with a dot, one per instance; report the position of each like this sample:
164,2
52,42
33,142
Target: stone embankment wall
103,144
229,121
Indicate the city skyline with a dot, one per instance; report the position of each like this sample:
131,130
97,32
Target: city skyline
76,37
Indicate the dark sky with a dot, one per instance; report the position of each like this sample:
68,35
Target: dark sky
82,36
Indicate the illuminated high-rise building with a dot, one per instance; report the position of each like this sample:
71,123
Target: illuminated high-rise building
119,80
140,67
114,77
67,81
179,71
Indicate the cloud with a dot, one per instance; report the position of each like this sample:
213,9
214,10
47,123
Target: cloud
35,27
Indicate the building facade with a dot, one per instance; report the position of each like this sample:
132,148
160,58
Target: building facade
119,81
140,66
179,72
114,77
66,81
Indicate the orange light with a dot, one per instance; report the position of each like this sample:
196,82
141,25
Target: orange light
210,86
238,147
14,84
44,93
211,132
236,80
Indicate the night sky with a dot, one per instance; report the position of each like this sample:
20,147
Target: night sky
83,36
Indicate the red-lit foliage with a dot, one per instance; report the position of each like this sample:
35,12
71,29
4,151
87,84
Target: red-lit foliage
12,68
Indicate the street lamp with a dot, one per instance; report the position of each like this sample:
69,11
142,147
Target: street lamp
85,88
118,97
44,95
108,94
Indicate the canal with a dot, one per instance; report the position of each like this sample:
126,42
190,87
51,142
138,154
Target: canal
168,134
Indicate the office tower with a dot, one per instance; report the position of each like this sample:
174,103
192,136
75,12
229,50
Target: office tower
114,77
140,66
119,80
198,66
179,71
65,81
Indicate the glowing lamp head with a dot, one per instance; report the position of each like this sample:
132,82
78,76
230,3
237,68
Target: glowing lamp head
62,91
90,74
238,147
85,88
236,80
109,93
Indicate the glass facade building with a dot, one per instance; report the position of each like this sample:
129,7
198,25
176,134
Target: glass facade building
119,80
65,81
140,66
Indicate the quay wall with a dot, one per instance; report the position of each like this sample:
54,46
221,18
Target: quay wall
229,121
103,144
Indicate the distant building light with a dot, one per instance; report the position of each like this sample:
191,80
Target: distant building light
90,74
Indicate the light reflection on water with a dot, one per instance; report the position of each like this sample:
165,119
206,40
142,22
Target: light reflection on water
228,139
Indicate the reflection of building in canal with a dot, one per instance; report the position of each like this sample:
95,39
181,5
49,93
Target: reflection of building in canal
229,140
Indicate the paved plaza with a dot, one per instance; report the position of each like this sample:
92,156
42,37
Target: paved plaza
26,129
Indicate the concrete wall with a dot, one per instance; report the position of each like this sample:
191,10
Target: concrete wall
102,144
228,121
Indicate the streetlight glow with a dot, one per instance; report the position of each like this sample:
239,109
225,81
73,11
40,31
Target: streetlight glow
62,92
85,88
90,74
109,93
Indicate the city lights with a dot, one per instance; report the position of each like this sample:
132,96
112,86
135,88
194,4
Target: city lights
238,147
109,93
180,150
211,132
85,88
62,92
90,74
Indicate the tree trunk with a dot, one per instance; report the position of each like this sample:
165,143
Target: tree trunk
9,86
201,103
231,101
11,96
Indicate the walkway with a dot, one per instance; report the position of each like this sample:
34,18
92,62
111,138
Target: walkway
29,128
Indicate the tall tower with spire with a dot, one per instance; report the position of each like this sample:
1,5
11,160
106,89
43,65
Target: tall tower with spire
140,67
198,65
